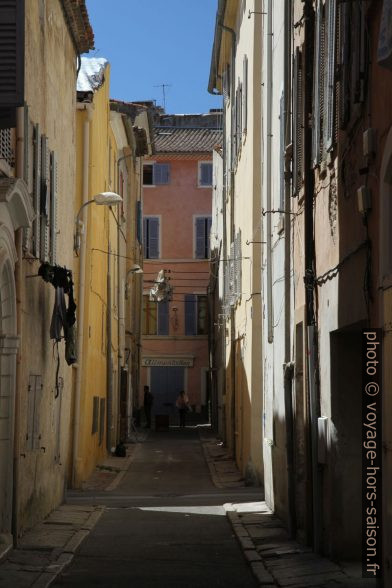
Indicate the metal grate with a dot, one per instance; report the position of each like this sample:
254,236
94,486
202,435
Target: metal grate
6,147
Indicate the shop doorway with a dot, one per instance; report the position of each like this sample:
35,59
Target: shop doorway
165,384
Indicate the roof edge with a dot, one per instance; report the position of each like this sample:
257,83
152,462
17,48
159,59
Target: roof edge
76,16
216,46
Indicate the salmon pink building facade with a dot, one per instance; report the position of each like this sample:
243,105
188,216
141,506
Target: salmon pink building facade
177,195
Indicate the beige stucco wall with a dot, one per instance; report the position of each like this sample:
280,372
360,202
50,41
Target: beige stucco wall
50,64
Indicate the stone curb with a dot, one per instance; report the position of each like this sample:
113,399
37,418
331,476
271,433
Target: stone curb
67,552
210,464
113,485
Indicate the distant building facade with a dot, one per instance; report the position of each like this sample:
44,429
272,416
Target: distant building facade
177,185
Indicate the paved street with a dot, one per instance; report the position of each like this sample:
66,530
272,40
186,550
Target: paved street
164,525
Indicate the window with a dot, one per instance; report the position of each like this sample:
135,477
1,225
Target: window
205,174
94,427
155,317
33,435
151,237
202,237
196,314
155,174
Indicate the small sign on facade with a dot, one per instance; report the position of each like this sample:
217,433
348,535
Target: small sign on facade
167,361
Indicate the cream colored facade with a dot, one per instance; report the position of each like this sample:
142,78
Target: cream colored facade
236,73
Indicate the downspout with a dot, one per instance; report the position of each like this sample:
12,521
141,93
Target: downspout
288,365
268,173
311,323
109,360
18,376
81,293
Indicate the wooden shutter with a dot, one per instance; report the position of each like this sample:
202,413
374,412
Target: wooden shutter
153,238
205,171
245,94
53,207
161,173
281,148
139,220
145,238
190,314
232,275
163,318
345,51
200,238
237,266
45,199
37,192
12,49
329,94
208,237
297,122
317,83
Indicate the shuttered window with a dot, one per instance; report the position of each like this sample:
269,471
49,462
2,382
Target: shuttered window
298,129
11,53
245,94
139,220
205,174
155,174
33,434
161,173
45,199
163,317
151,237
281,150
196,314
53,209
37,191
329,93
317,84
202,237
155,317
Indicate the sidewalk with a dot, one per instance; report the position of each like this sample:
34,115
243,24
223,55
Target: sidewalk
274,558
44,551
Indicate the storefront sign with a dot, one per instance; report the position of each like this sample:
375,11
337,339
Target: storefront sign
167,361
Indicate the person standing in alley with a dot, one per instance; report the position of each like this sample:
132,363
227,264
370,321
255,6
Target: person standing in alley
182,403
148,402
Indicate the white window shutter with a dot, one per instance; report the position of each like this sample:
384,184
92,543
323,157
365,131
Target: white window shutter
53,207
237,266
282,148
232,293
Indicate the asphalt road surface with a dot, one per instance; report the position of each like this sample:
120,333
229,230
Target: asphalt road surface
164,525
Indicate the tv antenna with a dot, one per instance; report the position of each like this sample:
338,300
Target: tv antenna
163,86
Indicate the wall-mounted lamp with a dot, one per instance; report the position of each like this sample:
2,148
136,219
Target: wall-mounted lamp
103,198
135,269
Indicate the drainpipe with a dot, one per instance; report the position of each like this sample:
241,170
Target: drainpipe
18,376
311,323
109,360
81,291
288,365
268,172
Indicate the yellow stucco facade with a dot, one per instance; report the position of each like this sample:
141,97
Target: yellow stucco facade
100,262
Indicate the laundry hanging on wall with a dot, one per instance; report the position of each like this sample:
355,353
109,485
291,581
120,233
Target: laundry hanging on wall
63,317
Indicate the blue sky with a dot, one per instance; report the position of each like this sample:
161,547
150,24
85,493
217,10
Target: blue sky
155,42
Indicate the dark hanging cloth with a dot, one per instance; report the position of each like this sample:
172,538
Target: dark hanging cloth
63,317
58,323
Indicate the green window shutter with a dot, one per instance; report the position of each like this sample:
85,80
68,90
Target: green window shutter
12,49
297,123
329,94
317,83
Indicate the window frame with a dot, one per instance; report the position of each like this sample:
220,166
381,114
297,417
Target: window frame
196,296
154,305
154,184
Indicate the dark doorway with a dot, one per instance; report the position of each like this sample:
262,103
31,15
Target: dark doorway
166,383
